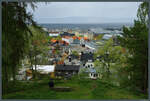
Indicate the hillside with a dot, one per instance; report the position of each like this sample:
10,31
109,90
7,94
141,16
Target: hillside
82,89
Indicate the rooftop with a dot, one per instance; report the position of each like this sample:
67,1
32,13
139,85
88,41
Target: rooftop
67,67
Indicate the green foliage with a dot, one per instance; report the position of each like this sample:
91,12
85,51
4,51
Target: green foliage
143,12
75,53
81,35
38,40
111,59
15,37
57,51
38,47
99,37
82,73
135,39
49,38
58,38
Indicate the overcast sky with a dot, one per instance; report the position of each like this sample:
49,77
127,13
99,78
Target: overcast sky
85,12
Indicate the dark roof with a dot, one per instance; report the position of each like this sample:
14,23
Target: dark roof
67,34
72,56
87,56
67,67
76,41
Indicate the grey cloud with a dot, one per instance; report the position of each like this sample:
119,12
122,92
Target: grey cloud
75,11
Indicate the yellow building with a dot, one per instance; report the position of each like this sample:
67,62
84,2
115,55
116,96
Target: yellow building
77,34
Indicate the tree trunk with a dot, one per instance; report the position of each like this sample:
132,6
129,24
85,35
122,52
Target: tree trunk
30,56
108,71
5,76
35,71
145,79
14,74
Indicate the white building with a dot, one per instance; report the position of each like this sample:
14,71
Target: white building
89,68
82,42
92,73
89,64
54,34
107,36
68,40
44,69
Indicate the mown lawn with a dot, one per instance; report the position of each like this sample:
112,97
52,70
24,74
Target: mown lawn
82,89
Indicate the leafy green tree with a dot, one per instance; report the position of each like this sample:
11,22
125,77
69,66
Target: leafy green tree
58,38
75,53
99,37
49,38
143,12
81,35
109,59
38,46
135,39
82,73
57,51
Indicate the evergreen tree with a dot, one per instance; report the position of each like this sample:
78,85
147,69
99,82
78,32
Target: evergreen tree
135,39
15,36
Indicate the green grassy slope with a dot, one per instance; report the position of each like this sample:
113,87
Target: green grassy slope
82,89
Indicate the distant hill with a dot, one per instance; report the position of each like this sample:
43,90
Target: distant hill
100,27
85,20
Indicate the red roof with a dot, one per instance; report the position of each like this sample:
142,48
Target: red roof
53,40
85,38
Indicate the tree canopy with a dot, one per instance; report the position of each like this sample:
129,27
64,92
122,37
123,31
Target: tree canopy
135,39
15,37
